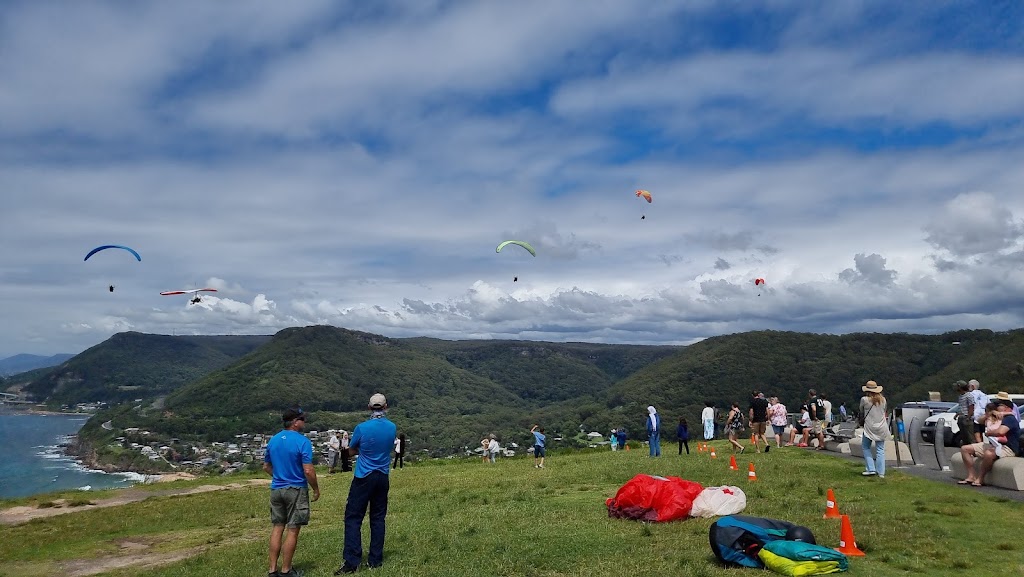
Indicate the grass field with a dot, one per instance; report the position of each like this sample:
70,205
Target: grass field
462,517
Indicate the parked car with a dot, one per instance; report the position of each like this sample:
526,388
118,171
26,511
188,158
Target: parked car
930,411
951,434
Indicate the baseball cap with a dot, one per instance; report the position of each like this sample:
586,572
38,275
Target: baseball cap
378,401
292,414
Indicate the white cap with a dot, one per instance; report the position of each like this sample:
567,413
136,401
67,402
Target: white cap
378,401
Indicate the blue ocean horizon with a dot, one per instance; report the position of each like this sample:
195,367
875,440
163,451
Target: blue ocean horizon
32,460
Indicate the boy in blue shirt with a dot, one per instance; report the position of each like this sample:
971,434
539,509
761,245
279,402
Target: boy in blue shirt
289,461
373,440
538,446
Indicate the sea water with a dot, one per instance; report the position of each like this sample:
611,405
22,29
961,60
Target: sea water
32,460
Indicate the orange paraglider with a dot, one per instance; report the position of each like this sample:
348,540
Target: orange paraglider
646,196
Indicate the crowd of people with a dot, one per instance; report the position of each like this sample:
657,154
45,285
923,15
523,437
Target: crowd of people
989,428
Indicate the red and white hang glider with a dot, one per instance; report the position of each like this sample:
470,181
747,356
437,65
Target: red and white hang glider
189,291
194,292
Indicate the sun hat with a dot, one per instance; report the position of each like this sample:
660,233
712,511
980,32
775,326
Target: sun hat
378,401
871,387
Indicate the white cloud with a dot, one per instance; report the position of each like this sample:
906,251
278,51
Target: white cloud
356,165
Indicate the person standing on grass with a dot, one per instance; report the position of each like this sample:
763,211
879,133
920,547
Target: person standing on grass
777,417
333,448
288,460
683,435
346,461
654,431
622,439
733,426
538,446
372,440
613,440
707,420
399,451
492,449
759,421
876,429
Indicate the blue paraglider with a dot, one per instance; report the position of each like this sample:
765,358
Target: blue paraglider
106,246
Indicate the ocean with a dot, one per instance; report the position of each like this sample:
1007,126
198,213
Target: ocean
31,460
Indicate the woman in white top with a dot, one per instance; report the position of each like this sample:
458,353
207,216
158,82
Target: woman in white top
777,417
875,429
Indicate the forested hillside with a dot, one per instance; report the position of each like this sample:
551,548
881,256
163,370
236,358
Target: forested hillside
446,394
131,365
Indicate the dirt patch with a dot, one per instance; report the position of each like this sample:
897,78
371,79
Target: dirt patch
24,514
86,567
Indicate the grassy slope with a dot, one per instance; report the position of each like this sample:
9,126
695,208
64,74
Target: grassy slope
465,518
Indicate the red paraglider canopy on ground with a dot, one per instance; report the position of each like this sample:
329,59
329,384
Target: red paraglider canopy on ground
649,498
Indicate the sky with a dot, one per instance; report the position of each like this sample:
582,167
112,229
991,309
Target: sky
356,164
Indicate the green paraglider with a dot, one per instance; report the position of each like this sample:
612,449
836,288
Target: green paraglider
523,244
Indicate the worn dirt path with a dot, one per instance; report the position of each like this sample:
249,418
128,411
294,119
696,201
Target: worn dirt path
24,514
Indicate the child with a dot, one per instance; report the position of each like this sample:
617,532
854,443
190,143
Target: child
683,434
538,446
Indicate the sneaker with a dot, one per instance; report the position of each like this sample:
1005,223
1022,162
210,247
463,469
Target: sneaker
869,473
293,573
881,476
273,574
346,569
767,448
742,449
541,466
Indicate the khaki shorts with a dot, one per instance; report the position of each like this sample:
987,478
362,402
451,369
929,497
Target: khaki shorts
289,506
980,448
817,427
758,428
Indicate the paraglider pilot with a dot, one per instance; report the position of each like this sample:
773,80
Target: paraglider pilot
111,288
196,300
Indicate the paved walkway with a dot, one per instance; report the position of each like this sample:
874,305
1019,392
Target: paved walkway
930,470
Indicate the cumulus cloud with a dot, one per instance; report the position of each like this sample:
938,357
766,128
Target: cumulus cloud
869,269
974,223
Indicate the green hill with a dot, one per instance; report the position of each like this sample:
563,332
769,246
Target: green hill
446,394
727,368
134,365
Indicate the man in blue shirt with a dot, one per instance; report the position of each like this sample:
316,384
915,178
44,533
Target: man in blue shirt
289,461
372,440
538,446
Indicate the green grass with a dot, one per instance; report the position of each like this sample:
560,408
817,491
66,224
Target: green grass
462,517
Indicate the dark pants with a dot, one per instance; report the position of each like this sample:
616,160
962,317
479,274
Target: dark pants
371,490
682,444
399,460
346,461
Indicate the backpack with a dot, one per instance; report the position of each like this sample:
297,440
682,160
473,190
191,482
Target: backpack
736,539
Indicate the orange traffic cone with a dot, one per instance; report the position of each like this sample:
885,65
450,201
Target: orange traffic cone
713,455
627,447
753,439
751,475
732,463
700,447
831,508
847,546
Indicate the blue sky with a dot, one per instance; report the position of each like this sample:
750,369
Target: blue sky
356,164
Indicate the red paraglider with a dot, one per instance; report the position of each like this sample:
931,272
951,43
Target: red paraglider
758,282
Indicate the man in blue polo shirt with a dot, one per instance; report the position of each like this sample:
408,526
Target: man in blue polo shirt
372,440
289,461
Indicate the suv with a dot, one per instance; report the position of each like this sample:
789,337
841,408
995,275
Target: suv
951,434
